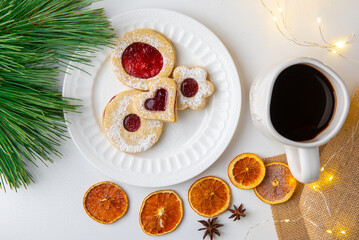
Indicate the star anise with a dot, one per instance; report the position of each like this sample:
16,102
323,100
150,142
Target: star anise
237,213
210,227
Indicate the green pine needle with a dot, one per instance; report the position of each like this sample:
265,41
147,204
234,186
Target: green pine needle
36,37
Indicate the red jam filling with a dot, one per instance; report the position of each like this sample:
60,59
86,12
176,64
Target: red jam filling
158,103
141,60
132,122
112,99
189,87
104,111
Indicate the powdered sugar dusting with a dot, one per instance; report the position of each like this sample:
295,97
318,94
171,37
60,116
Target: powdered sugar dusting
136,37
166,115
161,45
126,141
205,87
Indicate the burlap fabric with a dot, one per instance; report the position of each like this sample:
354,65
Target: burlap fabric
331,210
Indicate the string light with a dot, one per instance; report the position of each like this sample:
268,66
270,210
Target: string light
271,220
315,186
334,48
284,30
340,44
351,139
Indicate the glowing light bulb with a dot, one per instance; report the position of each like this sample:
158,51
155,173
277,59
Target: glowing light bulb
314,187
319,20
280,10
340,44
342,232
330,178
329,231
274,19
322,169
334,51
286,220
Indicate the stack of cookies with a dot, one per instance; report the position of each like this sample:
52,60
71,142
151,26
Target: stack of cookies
144,60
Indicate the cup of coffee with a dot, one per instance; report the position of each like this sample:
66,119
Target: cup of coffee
303,104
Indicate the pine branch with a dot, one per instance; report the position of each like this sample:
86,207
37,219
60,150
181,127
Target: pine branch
36,36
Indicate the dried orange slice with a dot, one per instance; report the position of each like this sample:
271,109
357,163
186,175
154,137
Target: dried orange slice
278,185
105,202
161,212
209,196
246,171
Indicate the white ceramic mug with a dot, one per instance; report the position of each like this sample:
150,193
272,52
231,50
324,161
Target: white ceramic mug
302,157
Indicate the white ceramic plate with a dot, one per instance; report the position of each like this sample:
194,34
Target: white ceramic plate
186,148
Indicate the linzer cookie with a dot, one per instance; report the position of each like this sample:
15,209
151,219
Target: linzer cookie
193,87
141,56
159,103
125,129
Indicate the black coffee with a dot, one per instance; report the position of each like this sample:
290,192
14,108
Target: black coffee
303,102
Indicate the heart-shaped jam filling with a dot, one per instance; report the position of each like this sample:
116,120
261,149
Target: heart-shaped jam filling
158,103
189,87
141,60
132,122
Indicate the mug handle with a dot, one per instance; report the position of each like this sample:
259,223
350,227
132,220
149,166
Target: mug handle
304,163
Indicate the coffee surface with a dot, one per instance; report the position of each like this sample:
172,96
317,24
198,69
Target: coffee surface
302,103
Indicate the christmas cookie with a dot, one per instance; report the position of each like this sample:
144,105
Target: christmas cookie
141,56
125,129
159,103
192,86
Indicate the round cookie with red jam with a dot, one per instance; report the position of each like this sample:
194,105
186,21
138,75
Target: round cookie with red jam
125,129
159,102
193,87
141,56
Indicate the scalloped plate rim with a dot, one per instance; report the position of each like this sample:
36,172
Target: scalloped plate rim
221,147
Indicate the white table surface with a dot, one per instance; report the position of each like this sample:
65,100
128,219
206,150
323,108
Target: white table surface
52,207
